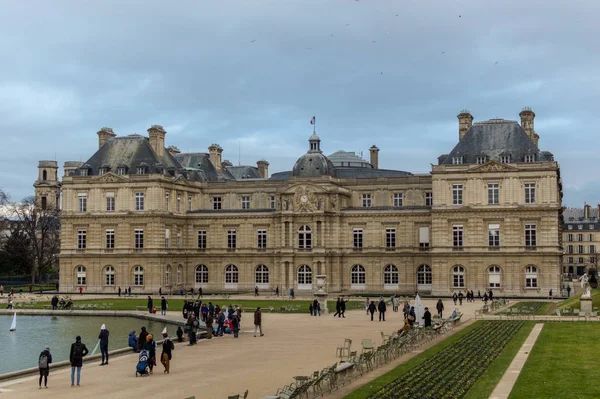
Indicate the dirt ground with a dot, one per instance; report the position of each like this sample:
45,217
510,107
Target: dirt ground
293,345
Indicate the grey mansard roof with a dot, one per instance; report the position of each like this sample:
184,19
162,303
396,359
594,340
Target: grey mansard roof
492,139
243,172
348,158
199,162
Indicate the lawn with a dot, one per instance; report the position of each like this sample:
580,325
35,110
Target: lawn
573,302
562,364
528,308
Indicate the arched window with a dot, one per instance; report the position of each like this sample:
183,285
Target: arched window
358,275
81,275
262,274
494,273
179,274
168,275
44,175
304,277
531,276
390,276
458,277
201,274
424,276
304,238
138,276
109,275
231,274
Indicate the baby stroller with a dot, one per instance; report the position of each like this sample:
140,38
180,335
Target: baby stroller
142,366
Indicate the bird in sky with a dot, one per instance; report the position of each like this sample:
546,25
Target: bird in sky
252,41
496,63
460,16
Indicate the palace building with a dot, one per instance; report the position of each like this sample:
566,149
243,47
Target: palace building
141,215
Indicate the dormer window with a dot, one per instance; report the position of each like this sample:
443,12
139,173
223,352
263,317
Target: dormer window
142,170
121,171
457,160
481,160
83,172
529,158
505,159
103,171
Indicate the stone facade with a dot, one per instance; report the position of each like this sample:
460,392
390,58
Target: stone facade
581,239
369,230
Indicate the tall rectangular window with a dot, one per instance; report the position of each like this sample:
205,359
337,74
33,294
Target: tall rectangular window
201,239
82,198
189,203
110,202
493,194
457,160
530,235
591,237
530,193
579,237
424,237
570,237
138,238
366,200
245,202
390,238
529,158
457,236
139,201
481,160
580,249
178,203
81,239
216,202
262,238
570,249
428,199
494,235
504,158
178,239
272,202
110,238
398,200
167,237
592,249
231,239
457,194
167,201
358,238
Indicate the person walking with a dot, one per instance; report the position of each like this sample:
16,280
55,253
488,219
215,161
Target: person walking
133,341
235,324
80,290
220,324
163,306
258,321
1,290
150,347
427,317
550,294
129,291
54,302
277,291
371,309
78,352
315,305
199,292
160,291
343,307
103,337
319,308
119,292
167,349
209,320
192,326
256,290
381,308
411,316
460,297
440,307
142,338
149,304
291,293
338,308
44,364
454,298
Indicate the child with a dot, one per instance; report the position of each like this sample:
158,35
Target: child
179,334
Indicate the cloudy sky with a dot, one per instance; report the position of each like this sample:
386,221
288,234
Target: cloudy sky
250,74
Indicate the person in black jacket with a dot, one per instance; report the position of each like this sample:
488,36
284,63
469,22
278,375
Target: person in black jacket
103,337
44,364
78,352
149,304
440,307
338,308
343,307
163,306
179,334
167,348
371,309
381,308
427,317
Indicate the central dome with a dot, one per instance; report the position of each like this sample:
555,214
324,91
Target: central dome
313,163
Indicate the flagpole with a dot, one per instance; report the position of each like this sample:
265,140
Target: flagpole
315,125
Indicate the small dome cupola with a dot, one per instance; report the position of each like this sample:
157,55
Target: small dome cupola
315,143
313,163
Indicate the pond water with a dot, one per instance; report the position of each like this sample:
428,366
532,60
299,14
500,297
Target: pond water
20,349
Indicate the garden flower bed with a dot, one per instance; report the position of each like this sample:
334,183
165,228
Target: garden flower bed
453,371
527,308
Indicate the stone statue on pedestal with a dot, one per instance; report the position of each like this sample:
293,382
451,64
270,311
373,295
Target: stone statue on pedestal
585,285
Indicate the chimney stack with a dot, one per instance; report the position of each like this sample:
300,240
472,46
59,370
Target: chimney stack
465,121
263,168
527,117
69,167
173,150
104,135
156,133
215,152
374,156
586,211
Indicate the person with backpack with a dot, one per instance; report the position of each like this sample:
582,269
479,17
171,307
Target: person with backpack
167,348
78,352
103,337
44,364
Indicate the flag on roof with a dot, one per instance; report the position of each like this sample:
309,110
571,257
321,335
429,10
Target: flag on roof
312,121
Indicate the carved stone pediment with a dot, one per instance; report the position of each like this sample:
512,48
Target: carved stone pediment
109,178
493,166
305,200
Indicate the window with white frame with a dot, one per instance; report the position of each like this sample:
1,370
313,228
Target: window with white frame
179,274
138,276
591,237
139,201
201,274
493,193
458,277
530,235
167,195
81,275
424,237
357,235
505,159
245,202
167,237
494,274
110,202
142,170
83,172
530,158
580,249
304,237
580,237
231,239
457,160
189,203
358,275
201,239
178,239
231,274
390,237
366,200
272,202
457,194
109,275
592,249
570,237
398,200
424,275
121,171
217,202
261,235
110,238
531,277
428,199
530,193
178,203
581,260
493,235
480,160
138,238
261,275
81,239
168,275
82,198
390,275
569,249
457,236
571,259
304,276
